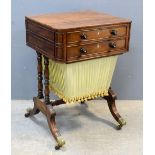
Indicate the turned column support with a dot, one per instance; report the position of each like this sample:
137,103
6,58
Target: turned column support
46,80
40,78
35,110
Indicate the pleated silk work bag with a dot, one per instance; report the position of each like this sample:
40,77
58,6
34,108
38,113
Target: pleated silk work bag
81,81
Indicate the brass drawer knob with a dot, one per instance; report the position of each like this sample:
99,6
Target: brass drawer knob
114,32
112,45
83,36
83,50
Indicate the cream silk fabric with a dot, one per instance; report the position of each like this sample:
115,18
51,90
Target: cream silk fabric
81,80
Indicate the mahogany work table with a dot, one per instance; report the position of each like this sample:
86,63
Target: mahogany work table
79,51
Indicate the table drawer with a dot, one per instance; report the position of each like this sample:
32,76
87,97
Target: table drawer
104,48
96,34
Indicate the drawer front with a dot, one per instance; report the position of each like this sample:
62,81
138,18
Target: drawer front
105,48
96,34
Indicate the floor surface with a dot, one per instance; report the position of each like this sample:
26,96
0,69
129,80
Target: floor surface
88,129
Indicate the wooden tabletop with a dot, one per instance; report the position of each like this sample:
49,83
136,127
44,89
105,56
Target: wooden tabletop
71,20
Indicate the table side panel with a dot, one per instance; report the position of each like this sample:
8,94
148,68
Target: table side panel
45,40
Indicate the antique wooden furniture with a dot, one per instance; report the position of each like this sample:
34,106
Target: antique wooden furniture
79,46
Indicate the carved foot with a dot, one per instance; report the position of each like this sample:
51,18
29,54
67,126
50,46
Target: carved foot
112,107
32,111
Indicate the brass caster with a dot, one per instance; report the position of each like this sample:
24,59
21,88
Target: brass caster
121,122
28,110
119,127
60,143
57,147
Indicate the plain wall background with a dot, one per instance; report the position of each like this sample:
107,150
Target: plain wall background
128,76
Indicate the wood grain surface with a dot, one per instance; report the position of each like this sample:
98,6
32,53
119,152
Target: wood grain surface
77,36
70,20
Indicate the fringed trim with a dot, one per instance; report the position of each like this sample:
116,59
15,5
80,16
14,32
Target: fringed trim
78,98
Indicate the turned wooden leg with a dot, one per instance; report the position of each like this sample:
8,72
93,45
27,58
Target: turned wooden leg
35,110
40,78
112,107
50,113
46,80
